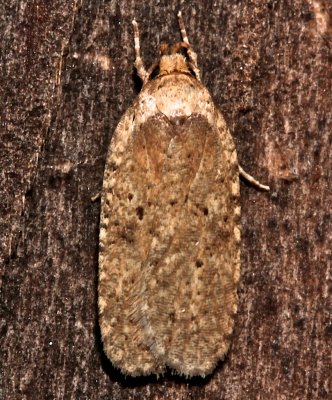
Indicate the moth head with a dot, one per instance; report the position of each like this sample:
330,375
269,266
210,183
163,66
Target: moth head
172,60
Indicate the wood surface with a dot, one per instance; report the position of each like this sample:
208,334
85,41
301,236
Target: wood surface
66,78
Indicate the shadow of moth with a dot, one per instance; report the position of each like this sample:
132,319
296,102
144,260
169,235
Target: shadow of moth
170,225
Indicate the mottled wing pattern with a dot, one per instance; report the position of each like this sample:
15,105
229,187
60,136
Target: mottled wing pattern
172,241
120,258
192,266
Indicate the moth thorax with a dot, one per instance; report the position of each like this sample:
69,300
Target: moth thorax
172,63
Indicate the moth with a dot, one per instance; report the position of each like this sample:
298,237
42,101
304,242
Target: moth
169,260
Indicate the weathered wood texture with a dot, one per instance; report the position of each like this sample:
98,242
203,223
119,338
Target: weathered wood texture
66,78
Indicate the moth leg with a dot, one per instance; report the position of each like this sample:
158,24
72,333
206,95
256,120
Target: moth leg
139,65
252,180
95,197
191,54
152,68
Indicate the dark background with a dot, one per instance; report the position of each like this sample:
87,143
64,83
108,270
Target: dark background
66,78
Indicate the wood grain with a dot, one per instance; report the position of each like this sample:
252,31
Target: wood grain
67,77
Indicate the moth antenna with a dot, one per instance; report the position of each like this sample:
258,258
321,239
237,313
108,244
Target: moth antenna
191,53
138,64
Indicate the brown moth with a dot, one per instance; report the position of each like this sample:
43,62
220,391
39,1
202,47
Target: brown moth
170,225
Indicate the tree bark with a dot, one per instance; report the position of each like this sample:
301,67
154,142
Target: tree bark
67,77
